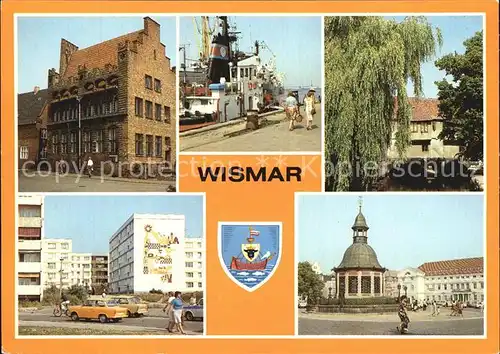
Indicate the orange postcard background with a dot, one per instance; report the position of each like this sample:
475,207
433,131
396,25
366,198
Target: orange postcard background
246,202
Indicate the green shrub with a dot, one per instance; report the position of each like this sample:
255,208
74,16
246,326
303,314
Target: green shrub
25,304
155,291
151,297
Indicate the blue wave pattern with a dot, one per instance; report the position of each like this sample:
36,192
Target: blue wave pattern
251,278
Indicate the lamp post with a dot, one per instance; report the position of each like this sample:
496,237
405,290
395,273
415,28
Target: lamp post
79,98
405,288
399,292
329,294
60,277
184,79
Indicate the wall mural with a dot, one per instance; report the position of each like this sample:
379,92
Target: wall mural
158,253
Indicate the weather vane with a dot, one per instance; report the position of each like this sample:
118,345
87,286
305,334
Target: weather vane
360,202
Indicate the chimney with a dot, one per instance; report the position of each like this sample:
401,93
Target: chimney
67,49
36,89
151,28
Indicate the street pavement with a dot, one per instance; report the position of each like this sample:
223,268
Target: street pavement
273,137
44,318
74,183
367,324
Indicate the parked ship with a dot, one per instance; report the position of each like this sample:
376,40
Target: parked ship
236,83
249,258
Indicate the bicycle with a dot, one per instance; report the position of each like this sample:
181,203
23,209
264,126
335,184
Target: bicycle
61,309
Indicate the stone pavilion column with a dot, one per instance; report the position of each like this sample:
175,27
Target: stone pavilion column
346,285
359,283
372,284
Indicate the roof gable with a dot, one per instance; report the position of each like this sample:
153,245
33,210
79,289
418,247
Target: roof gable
30,106
97,56
423,109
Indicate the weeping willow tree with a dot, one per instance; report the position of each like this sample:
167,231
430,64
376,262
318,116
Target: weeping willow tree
368,63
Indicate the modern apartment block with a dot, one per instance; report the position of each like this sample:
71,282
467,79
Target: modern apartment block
62,266
29,245
194,251
152,252
99,269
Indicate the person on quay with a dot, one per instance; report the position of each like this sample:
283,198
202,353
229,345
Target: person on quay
292,109
309,102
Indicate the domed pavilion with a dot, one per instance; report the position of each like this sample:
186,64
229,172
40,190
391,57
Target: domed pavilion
360,275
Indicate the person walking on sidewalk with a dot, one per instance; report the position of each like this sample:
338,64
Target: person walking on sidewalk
169,311
90,166
177,306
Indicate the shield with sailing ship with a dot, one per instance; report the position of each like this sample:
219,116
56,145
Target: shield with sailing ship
249,253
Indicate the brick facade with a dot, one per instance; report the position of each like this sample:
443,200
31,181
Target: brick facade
32,124
100,84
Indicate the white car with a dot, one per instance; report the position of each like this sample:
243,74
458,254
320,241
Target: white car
194,311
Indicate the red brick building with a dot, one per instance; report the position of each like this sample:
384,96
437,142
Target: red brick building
32,109
114,101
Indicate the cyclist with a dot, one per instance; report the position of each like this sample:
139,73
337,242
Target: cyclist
64,302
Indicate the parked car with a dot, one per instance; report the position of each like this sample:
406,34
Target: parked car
98,308
133,304
194,311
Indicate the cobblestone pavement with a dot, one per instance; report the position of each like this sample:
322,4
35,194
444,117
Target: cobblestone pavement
275,137
74,183
421,324
146,323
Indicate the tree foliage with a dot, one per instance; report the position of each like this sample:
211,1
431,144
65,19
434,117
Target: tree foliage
310,283
461,99
368,63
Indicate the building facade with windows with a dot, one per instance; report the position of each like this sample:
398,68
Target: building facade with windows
32,110
194,252
425,127
57,262
99,270
29,244
114,101
445,281
152,252
62,266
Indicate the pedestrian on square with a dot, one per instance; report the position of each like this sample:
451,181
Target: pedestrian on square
453,308
168,310
434,308
403,316
460,307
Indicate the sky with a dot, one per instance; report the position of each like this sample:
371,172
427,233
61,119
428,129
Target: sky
296,42
455,30
405,230
91,221
39,41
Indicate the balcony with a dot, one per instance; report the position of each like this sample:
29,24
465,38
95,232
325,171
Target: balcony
29,245
29,290
30,222
29,267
